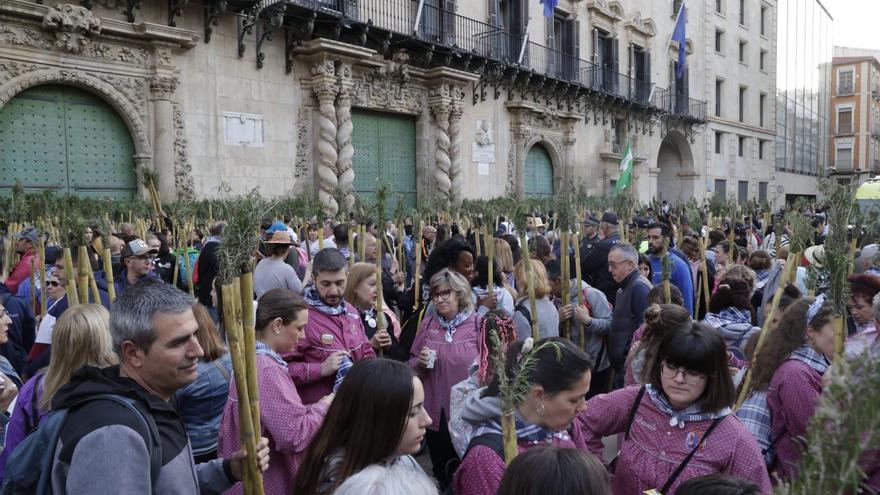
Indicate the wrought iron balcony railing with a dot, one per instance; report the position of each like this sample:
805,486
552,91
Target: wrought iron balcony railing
682,106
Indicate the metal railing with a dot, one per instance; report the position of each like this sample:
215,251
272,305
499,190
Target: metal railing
682,105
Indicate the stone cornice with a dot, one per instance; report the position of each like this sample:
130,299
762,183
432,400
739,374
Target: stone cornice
143,31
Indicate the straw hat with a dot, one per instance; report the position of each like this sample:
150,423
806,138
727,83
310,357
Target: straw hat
816,256
280,237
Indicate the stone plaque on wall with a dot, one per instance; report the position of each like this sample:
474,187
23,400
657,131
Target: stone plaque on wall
242,129
484,144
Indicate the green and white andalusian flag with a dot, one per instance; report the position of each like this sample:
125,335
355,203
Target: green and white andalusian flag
626,170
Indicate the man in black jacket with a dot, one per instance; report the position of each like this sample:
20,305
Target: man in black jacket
208,264
594,264
629,311
107,447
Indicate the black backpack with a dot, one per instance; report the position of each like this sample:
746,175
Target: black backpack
492,440
29,468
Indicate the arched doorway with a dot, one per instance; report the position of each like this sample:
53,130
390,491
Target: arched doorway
538,177
67,140
675,182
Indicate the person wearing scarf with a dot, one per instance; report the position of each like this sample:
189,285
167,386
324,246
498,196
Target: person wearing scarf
688,392
446,345
796,385
334,331
730,312
557,385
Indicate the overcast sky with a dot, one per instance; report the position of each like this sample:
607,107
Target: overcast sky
855,22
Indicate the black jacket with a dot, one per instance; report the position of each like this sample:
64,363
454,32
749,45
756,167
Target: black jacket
594,266
628,314
22,332
208,268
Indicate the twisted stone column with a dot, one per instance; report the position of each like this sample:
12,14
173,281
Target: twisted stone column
456,174
328,180
442,178
345,156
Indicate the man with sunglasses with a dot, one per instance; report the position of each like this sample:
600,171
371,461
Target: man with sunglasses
629,309
139,260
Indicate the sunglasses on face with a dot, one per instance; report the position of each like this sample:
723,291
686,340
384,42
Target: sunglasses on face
53,283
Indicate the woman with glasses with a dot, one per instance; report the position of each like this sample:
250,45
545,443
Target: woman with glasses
446,345
678,425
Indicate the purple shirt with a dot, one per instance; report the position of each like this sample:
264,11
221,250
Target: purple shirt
286,422
792,397
22,416
348,335
452,363
655,449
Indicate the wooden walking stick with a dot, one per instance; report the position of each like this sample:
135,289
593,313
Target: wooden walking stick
578,284
108,274
246,302
70,274
530,285
41,252
566,281
380,316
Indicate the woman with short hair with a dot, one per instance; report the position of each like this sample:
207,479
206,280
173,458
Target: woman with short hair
863,289
537,472
666,423
446,345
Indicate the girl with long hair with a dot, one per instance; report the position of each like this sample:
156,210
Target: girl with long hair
361,291
82,336
360,431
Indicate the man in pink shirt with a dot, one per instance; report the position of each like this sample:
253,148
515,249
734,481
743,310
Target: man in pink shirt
334,333
24,245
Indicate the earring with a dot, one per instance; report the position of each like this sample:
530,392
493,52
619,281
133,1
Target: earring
540,408
277,332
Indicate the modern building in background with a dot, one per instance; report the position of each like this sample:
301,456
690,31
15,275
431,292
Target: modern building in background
803,91
854,144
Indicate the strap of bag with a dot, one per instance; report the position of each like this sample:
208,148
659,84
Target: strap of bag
690,456
632,411
221,368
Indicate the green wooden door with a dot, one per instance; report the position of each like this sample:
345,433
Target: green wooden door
539,173
67,140
384,153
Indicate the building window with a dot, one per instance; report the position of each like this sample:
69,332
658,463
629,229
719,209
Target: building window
719,41
845,84
742,12
761,144
762,62
721,187
719,96
676,6
762,100
843,162
619,137
763,21
743,191
762,192
742,104
845,120
718,141
719,6
742,146
742,52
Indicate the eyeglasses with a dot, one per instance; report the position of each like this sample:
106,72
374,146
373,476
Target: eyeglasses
148,259
5,314
690,377
443,294
614,264
53,283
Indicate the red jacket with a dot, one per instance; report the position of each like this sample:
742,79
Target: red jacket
22,271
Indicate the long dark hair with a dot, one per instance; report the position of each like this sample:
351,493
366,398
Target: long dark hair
556,470
731,293
482,276
366,420
559,367
701,348
788,336
660,320
445,255
278,303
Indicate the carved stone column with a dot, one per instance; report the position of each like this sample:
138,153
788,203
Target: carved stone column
519,152
441,107
345,154
456,174
162,91
324,85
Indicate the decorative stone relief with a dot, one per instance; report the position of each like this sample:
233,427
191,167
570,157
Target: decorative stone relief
163,87
23,36
303,165
397,69
442,178
72,26
510,187
372,89
328,180
455,170
183,180
345,153
135,89
10,69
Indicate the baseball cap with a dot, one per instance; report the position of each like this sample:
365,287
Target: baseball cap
591,220
610,217
28,233
137,247
275,227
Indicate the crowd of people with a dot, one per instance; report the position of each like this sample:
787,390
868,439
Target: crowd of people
631,385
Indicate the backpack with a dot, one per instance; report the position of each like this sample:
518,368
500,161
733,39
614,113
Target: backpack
29,468
182,274
492,440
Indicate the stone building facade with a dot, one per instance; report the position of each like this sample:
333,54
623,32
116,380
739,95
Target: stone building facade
854,144
448,99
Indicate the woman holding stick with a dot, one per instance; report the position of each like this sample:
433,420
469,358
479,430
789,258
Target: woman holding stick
548,315
361,431
361,291
556,386
480,287
446,345
666,421
289,425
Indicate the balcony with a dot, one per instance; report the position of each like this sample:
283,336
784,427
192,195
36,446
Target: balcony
441,37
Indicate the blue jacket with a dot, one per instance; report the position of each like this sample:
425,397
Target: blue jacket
201,403
680,277
22,332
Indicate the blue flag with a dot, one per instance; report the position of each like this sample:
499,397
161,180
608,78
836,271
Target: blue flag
549,7
679,35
